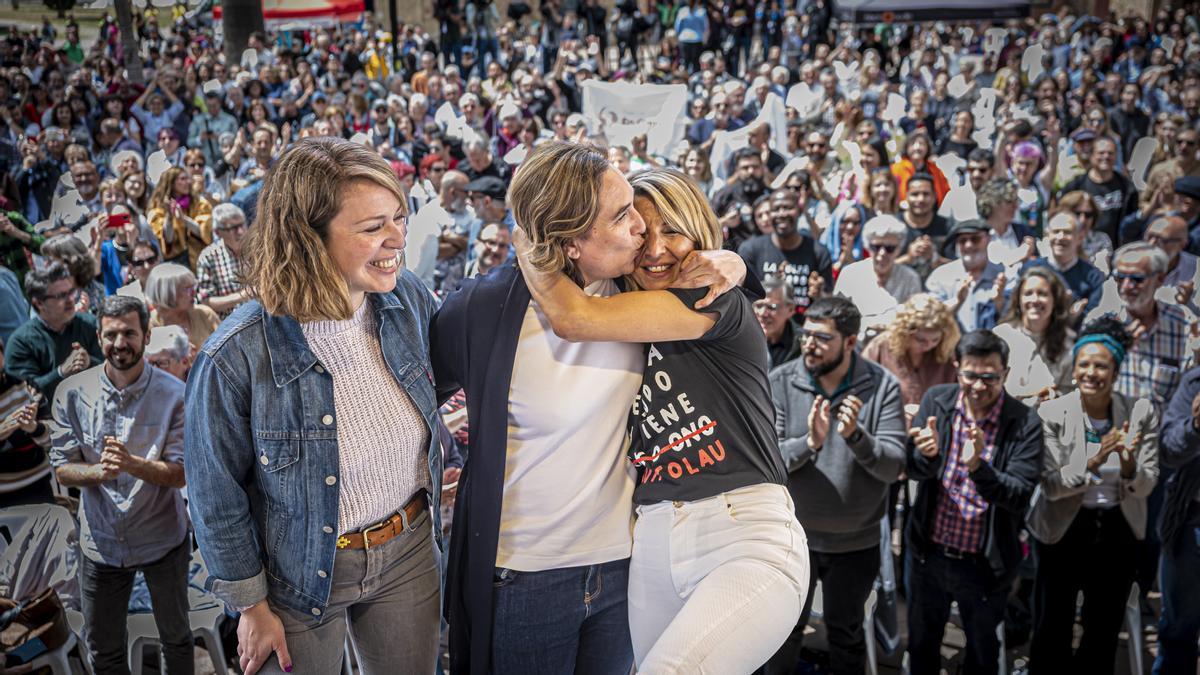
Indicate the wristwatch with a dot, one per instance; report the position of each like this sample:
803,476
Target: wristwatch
856,436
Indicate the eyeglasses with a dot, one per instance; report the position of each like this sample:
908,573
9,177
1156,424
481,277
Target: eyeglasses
1121,277
1084,214
766,306
143,262
232,228
971,377
71,295
1185,142
1159,240
493,243
821,338
885,248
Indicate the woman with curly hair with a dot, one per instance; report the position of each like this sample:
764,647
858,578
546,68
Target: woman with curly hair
1037,330
918,348
180,218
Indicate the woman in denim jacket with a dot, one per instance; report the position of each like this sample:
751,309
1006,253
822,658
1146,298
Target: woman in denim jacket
311,463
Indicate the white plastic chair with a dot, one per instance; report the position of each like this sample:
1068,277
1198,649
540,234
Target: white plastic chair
57,661
204,622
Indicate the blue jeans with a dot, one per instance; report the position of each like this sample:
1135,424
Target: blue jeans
932,584
557,622
1179,626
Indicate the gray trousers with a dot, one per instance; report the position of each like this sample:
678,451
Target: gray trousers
104,600
388,598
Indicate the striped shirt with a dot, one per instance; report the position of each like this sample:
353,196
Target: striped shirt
958,520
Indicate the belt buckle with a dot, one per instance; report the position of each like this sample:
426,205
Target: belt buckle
952,553
367,531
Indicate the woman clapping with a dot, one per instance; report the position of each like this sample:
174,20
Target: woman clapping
1101,463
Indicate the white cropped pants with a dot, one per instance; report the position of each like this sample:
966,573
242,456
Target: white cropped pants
716,585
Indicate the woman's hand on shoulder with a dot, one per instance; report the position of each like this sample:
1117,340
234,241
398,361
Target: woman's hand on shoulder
720,271
260,632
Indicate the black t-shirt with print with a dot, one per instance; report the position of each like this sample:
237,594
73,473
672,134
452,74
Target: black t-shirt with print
703,422
766,259
1115,199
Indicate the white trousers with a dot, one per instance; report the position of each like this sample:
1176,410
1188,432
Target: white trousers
716,585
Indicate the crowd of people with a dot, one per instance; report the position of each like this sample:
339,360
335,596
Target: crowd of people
969,250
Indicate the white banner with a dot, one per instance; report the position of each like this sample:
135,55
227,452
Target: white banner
621,110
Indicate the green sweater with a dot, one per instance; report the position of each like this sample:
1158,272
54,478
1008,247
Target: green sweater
34,352
12,251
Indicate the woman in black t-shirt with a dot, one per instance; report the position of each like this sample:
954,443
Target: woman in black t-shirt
720,567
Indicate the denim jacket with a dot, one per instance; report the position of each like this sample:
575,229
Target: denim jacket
261,453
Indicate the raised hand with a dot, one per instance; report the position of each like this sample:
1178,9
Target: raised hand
818,422
848,415
926,438
972,455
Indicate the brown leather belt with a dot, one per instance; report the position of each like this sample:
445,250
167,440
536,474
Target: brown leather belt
382,532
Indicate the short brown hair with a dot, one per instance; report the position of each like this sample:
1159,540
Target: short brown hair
286,257
555,198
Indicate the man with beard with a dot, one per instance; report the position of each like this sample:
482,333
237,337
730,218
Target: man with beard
1116,196
976,453
927,231
840,420
117,435
787,253
972,286
733,203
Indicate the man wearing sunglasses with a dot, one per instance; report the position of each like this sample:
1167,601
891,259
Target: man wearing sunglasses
1152,370
56,343
879,285
976,453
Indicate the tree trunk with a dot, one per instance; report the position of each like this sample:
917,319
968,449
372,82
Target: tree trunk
239,18
130,45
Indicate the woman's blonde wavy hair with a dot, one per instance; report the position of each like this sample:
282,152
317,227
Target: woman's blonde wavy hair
555,198
287,262
681,205
923,311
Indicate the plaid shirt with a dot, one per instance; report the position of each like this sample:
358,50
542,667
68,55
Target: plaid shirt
1154,367
218,273
958,521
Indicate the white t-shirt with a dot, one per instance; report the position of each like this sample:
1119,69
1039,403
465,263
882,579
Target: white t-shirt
568,488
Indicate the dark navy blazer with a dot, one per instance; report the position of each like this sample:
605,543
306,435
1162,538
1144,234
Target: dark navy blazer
473,344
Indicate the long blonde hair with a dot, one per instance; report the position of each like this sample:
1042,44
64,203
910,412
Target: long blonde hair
923,311
555,198
287,262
